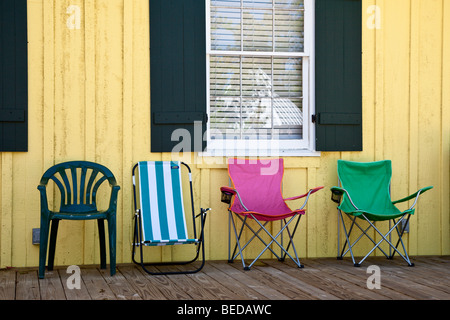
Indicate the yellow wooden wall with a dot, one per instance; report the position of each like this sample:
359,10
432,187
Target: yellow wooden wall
89,99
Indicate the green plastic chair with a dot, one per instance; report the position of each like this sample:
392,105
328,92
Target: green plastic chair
78,183
364,193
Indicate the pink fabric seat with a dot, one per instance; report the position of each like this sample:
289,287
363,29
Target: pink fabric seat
256,193
259,184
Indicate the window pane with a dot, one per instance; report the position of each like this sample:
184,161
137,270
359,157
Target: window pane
290,4
225,102
225,29
287,118
258,31
228,3
257,118
258,25
271,102
257,76
225,119
287,77
289,31
287,103
258,3
225,76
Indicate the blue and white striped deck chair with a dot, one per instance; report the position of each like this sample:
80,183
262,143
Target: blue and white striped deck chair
160,217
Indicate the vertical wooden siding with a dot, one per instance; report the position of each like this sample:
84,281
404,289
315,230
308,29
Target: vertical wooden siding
89,99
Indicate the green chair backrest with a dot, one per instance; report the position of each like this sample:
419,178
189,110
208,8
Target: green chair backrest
367,183
78,183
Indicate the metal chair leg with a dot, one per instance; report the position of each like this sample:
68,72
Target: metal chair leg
267,245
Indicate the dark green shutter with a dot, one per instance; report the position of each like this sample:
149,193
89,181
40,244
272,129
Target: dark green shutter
13,76
338,75
178,72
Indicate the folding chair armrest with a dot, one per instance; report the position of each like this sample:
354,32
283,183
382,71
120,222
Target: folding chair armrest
202,216
414,195
338,192
227,191
227,194
310,192
203,212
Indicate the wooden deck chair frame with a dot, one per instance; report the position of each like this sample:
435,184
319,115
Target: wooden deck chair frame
139,217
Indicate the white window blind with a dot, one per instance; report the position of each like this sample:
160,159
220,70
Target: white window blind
258,69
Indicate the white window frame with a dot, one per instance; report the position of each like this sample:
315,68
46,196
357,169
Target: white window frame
247,147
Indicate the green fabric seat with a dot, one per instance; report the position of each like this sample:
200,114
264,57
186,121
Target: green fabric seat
364,192
369,187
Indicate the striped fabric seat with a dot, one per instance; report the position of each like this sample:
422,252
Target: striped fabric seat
161,202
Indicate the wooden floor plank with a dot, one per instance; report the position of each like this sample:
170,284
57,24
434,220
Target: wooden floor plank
168,286
120,286
419,278
27,285
288,283
215,289
321,278
243,291
187,284
51,287
95,284
354,278
313,285
255,284
408,287
7,284
70,292
141,284
326,278
422,275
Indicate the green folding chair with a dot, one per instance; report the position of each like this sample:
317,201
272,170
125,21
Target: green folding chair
160,217
364,194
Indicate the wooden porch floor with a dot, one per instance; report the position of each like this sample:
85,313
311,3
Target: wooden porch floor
321,279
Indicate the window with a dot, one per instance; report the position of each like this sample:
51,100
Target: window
246,77
259,55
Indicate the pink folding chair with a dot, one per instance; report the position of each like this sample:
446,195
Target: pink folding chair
256,194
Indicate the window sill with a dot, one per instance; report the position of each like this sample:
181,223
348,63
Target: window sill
259,153
297,159
259,148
